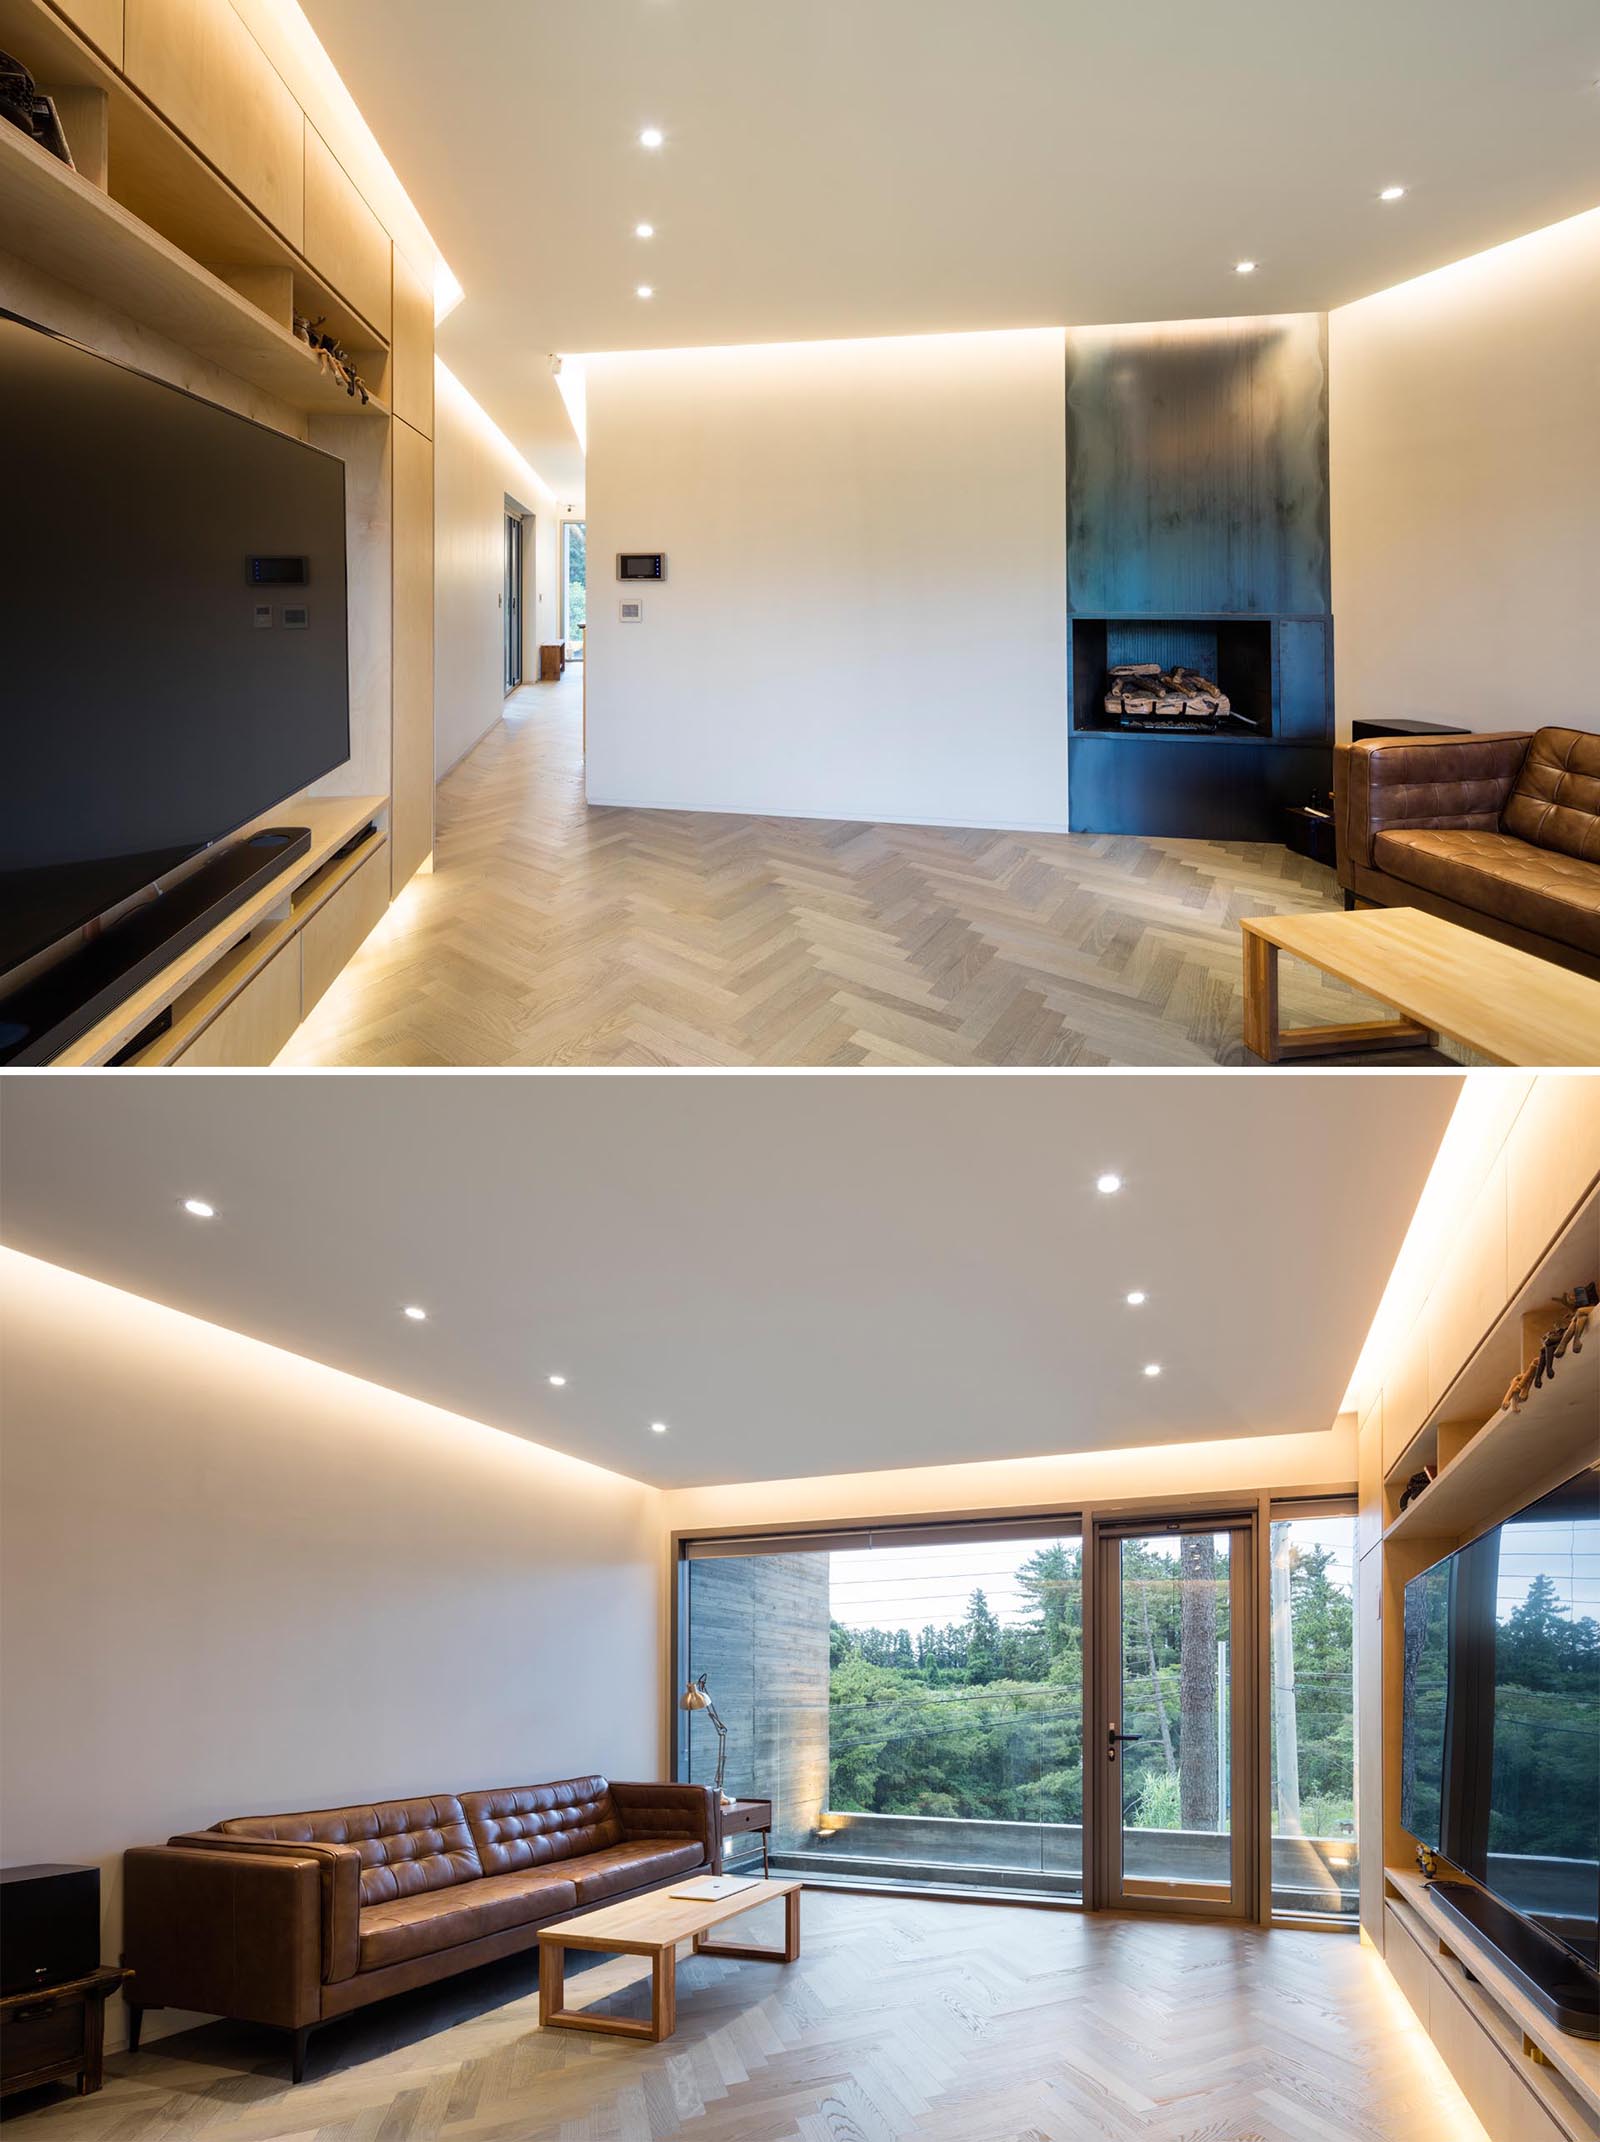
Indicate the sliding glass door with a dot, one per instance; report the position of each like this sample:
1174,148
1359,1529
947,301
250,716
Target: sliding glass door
912,1703
1177,1679
1168,1725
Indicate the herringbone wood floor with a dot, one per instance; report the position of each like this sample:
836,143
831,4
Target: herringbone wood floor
943,2022
553,933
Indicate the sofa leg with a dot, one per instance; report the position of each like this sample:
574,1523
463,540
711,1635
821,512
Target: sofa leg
1349,903
135,2025
298,2059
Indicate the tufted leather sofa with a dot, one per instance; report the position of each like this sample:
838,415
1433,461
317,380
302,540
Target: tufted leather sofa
296,1919
1500,833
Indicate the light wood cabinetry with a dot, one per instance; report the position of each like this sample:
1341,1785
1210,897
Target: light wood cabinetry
412,828
1473,1287
207,212
1369,1476
1407,1964
100,21
254,1025
340,926
343,238
1554,1143
1405,1395
1530,1234
411,373
1525,2080
197,63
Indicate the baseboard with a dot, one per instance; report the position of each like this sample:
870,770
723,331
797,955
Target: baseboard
842,817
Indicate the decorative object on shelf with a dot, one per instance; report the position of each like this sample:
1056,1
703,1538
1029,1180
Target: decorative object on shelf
331,355
697,1698
1427,1862
36,115
1563,1337
1418,1484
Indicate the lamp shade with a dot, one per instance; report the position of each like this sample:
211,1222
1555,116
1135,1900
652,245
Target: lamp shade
694,1697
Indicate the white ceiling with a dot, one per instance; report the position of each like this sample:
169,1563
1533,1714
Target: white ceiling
799,1275
879,167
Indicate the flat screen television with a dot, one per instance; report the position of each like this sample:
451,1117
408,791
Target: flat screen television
1500,1746
173,658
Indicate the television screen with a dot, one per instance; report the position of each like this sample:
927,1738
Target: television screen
173,661
1500,1753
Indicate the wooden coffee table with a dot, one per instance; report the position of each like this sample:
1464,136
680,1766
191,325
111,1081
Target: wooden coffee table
653,1926
1501,1003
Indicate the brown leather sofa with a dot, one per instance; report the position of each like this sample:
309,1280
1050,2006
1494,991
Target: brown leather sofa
1500,833
296,1919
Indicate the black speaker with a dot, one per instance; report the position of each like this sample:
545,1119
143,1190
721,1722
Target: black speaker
49,1926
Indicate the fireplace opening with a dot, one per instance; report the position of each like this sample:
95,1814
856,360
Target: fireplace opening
1208,677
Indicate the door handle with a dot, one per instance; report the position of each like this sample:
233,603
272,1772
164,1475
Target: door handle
1112,1737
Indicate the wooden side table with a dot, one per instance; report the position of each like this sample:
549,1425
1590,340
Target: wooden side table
57,2033
745,1816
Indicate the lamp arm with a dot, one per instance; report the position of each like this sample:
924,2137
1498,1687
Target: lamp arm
722,1746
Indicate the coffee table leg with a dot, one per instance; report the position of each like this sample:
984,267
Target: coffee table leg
743,1953
554,2014
552,1981
1261,997
664,1992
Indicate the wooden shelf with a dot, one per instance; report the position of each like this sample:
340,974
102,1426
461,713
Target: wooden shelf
1514,1456
214,964
1503,2008
1474,1393
60,222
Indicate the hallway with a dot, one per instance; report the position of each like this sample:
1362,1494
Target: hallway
554,933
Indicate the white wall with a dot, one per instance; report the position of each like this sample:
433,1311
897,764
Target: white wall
864,614
475,469
236,1581
1464,462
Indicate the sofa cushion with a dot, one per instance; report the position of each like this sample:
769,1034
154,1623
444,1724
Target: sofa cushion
406,1846
446,1918
1550,894
1555,803
534,1825
599,1875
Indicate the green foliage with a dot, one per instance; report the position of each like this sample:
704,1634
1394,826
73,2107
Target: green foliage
985,1721
1158,1806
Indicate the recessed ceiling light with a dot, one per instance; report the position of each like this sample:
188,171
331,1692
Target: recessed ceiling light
199,1208
644,290
658,1427
1152,1368
1244,267
558,1381
417,1316
1136,1299
651,137
1107,1184
1392,193
644,230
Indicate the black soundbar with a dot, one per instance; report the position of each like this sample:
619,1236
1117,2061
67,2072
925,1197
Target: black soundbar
48,1013
1566,1990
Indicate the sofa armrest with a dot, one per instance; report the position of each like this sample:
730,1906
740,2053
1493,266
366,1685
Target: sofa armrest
670,1811
1390,781
340,1886
227,1933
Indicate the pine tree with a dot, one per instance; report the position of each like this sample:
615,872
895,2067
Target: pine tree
983,1640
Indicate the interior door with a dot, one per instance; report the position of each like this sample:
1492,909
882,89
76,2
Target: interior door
511,601
1177,1734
